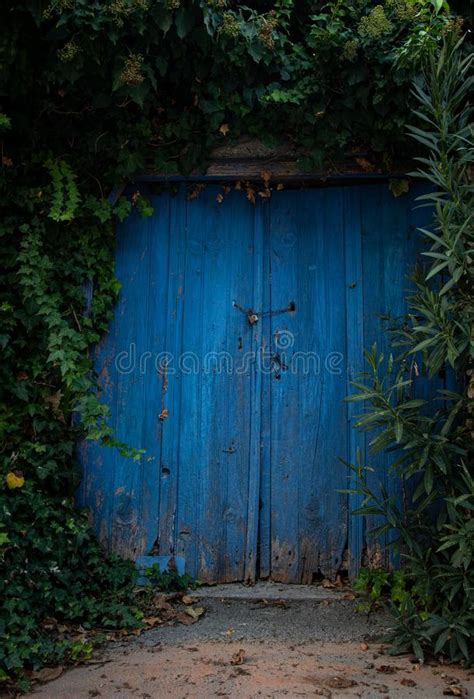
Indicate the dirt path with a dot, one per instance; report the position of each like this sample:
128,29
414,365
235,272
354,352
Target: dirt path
252,646
254,669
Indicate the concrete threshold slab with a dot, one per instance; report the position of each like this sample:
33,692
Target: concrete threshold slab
269,591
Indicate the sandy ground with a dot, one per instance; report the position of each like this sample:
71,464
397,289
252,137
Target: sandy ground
255,669
243,648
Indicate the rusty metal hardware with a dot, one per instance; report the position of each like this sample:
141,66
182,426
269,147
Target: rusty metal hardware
253,317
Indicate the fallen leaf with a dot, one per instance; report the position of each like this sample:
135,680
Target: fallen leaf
162,603
185,619
238,657
449,679
327,583
407,682
455,690
388,669
194,612
364,646
186,599
152,620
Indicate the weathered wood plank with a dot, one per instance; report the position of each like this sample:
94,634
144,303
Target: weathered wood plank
308,428
355,358
216,419
255,455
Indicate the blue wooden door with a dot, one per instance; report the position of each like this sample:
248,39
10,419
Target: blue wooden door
236,334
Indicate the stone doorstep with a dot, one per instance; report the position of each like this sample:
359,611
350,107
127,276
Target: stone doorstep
268,591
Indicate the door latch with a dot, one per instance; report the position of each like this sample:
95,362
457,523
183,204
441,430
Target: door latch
253,317
250,314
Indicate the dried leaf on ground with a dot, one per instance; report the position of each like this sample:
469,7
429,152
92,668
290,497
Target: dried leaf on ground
407,682
328,584
238,657
194,612
455,690
153,620
185,619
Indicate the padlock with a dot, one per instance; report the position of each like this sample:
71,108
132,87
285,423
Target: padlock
252,317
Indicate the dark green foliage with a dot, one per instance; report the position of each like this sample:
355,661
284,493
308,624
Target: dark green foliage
55,570
431,436
169,580
379,583
93,93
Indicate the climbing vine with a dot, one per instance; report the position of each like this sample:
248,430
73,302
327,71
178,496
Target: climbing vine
92,94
